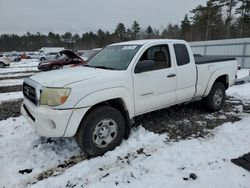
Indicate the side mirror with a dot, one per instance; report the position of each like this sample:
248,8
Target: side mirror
144,65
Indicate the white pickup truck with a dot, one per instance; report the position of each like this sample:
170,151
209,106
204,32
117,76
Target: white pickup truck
97,102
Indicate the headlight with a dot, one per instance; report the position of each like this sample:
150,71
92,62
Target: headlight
54,96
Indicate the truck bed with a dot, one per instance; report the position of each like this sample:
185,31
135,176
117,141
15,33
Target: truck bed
211,59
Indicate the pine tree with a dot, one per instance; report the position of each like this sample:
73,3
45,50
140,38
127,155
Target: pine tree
229,5
185,28
120,31
149,32
135,30
208,22
244,20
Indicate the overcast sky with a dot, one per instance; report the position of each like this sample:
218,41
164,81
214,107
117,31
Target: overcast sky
79,16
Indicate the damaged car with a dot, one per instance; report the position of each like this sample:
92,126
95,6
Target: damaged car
65,58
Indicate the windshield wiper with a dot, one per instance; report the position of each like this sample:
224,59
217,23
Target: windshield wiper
88,66
99,67
103,67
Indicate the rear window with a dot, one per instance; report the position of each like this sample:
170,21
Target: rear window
181,54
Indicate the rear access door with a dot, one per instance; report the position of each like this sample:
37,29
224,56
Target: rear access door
186,71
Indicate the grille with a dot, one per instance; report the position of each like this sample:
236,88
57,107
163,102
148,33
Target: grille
30,93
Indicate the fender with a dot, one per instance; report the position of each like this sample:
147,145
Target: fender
213,77
86,102
108,94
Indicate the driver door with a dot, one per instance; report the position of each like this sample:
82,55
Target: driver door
156,87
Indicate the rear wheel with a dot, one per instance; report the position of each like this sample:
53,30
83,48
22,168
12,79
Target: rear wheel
101,131
42,58
216,98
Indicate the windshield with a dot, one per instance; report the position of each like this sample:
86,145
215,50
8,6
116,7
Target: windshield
115,57
60,56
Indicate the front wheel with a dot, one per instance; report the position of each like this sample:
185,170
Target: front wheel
1,65
54,67
216,98
101,131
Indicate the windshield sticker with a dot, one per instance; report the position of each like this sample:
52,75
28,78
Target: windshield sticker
129,47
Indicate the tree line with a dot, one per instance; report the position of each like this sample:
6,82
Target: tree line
218,19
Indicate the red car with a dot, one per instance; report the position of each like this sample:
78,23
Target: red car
65,58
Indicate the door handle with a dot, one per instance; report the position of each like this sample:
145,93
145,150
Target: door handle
171,75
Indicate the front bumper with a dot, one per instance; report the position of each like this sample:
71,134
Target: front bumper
52,122
43,68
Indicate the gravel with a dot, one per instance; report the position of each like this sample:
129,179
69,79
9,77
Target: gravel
7,89
10,109
191,120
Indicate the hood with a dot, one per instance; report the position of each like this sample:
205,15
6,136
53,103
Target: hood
69,54
64,77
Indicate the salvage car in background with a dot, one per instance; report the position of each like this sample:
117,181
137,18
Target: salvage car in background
65,58
14,57
4,61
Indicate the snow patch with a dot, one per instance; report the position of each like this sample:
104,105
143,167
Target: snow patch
240,91
10,96
11,82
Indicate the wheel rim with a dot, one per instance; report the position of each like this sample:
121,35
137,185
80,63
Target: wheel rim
55,67
105,132
218,96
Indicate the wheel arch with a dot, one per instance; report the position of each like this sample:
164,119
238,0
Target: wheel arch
218,76
117,103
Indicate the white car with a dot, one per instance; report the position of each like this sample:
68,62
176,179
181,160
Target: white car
14,57
4,61
49,56
97,102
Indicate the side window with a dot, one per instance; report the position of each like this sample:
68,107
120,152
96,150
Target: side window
160,55
181,54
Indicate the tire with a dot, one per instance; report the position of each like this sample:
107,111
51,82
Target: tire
1,65
54,67
101,131
216,98
42,58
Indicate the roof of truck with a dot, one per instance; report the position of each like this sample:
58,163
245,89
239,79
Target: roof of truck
147,41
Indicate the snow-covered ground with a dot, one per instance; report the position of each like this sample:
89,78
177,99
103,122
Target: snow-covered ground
243,73
25,63
10,96
165,164
13,74
144,160
240,92
11,82
17,69
22,66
